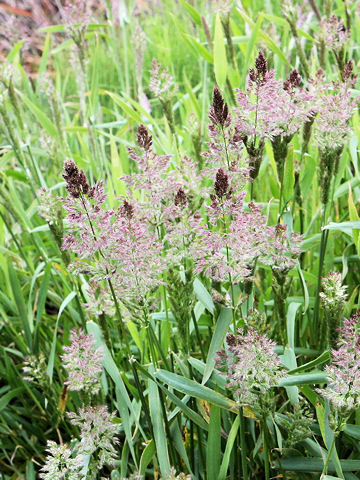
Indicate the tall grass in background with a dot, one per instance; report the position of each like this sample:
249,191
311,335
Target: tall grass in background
155,395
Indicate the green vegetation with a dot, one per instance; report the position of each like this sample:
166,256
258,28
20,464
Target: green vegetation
185,265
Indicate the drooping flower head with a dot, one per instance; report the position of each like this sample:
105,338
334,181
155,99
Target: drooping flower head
83,362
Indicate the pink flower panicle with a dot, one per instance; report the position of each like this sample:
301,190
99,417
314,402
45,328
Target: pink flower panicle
343,390
83,362
112,245
270,107
76,182
252,368
161,84
97,433
60,463
334,104
283,249
233,248
153,178
335,33
225,148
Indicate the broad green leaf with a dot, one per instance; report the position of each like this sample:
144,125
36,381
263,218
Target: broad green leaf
228,449
289,177
221,329
129,111
220,61
194,389
213,448
147,456
45,122
301,464
65,303
203,295
195,15
290,322
305,379
345,227
159,429
198,47
325,357
5,399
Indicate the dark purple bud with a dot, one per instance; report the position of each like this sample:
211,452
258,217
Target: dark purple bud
144,139
76,182
347,74
261,64
221,185
293,81
280,231
219,111
181,198
127,210
231,340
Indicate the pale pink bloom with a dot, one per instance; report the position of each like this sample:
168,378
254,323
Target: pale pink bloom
97,433
83,362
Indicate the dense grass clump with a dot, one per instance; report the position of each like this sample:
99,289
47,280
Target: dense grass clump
180,242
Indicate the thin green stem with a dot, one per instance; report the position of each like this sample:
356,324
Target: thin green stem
243,445
266,449
328,456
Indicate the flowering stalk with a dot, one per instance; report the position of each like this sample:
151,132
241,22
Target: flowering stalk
334,105
253,369
163,87
333,298
77,186
288,11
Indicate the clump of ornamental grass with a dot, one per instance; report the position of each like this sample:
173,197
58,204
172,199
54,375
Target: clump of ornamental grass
115,247
333,297
343,390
